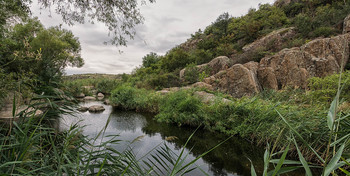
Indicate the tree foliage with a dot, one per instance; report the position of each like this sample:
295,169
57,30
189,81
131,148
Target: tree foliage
119,16
34,56
150,59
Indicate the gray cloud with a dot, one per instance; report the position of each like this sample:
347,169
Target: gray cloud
167,23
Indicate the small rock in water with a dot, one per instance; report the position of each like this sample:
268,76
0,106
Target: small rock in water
89,98
81,95
83,109
96,108
107,102
100,95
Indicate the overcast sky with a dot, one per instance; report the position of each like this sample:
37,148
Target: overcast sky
167,23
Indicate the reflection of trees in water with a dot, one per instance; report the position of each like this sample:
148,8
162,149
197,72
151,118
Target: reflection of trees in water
127,121
230,157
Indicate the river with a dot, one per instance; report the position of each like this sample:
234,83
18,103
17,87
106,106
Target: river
231,158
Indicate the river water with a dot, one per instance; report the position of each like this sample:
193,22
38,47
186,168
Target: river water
228,159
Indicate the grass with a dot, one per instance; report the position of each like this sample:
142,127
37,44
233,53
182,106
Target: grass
248,117
31,146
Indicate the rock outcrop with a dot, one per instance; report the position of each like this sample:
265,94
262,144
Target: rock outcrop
213,67
239,80
271,42
288,68
292,67
274,39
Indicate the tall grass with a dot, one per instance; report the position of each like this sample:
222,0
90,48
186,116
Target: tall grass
31,146
334,157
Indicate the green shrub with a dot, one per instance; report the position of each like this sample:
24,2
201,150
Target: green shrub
325,89
131,98
323,32
191,74
181,108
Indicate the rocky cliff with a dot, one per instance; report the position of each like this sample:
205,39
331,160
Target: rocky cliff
287,68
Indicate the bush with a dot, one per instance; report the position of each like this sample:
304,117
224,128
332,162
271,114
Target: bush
181,108
130,98
323,32
325,89
191,74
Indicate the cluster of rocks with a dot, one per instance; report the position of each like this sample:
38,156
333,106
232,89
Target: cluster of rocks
82,96
287,68
91,109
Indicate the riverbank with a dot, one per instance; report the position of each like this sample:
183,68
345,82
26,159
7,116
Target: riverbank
142,133
256,118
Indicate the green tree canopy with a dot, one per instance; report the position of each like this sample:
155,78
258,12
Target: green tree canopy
30,48
150,59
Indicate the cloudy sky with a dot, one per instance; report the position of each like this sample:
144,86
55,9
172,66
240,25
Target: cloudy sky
167,23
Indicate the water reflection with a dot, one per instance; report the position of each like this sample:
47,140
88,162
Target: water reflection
229,159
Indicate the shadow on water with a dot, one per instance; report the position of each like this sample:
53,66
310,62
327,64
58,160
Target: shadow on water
228,159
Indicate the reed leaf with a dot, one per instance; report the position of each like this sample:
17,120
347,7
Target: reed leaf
281,160
332,165
302,159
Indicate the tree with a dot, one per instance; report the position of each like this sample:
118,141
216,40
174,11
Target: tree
30,48
177,58
219,27
119,16
150,59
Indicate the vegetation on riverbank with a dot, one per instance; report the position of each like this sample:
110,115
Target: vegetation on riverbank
33,59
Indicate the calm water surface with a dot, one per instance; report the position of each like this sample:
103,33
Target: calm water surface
228,159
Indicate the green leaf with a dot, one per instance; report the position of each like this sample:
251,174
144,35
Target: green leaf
301,138
302,160
339,140
14,106
284,170
280,163
252,170
331,166
275,161
331,113
345,171
266,159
